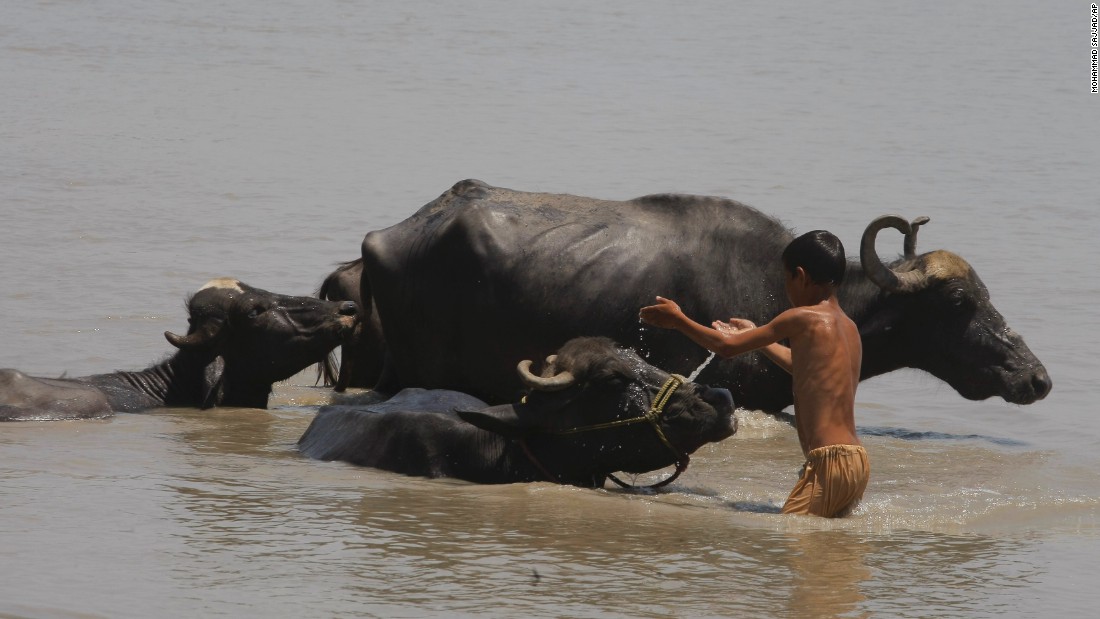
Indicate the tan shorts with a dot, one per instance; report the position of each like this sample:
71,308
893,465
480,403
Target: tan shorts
832,482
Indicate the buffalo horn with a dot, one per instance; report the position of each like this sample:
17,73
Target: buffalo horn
201,337
561,380
879,273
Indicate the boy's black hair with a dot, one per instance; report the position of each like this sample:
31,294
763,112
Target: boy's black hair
820,254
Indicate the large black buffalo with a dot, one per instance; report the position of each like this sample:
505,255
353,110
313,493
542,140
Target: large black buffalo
596,409
483,275
240,340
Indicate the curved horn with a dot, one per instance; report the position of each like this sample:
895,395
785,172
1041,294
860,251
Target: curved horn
911,238
561,380
879,273
199,338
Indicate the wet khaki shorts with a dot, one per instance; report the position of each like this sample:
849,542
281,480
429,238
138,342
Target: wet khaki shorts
832,482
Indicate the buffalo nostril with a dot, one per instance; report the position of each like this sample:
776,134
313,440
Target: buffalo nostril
348,308
1042,384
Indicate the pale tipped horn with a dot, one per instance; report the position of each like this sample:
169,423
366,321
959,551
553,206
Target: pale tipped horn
561,380
879,273
911,238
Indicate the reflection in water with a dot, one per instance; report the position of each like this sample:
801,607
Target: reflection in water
829,570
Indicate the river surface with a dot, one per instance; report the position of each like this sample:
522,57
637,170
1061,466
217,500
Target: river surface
147,147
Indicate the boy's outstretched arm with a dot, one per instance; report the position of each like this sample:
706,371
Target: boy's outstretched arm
727,342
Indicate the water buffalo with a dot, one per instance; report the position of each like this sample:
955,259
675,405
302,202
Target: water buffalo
240,340
483,275
596,409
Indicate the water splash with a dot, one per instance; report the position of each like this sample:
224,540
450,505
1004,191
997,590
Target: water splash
695,374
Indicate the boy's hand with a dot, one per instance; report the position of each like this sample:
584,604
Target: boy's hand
665,314
733,325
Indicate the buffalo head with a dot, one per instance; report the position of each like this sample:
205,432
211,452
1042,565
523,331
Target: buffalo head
933,310
589,409
260,336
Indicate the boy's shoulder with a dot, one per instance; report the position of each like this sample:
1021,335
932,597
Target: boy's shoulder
806,316
800,313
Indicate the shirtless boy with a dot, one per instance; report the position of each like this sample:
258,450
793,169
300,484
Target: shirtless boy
823,360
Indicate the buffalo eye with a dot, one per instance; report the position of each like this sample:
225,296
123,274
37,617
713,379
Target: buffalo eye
255,312
959,298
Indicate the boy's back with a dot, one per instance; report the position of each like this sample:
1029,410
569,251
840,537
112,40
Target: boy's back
825,355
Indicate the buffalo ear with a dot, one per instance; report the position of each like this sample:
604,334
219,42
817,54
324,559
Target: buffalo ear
498,420
213,388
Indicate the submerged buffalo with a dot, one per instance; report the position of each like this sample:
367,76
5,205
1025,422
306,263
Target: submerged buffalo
240,340
596,409
483,275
